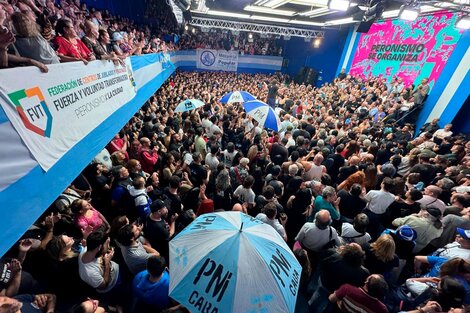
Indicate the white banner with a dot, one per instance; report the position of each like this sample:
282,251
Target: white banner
52,112
217,60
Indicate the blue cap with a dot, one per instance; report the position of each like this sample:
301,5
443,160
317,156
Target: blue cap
407,233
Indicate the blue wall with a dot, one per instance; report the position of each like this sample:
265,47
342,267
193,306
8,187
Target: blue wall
325,58
133,9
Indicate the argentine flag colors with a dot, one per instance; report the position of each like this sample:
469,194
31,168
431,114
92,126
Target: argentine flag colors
231,262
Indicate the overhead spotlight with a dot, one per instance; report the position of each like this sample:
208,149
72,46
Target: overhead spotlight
463,22
186,27
306,39
193,30
409,13
316,43
339,5
250,36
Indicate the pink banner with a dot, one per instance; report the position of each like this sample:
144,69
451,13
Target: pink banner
410,50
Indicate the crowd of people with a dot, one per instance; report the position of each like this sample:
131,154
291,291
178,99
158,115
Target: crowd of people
377,213
246,43
39,33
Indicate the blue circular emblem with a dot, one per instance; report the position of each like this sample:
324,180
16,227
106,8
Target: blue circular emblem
207,58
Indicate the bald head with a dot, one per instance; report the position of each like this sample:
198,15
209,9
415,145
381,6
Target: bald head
323,216
354,160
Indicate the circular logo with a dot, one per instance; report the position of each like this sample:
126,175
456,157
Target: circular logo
207,58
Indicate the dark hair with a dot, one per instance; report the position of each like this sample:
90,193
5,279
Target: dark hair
61,25
248,182
156,265
96,239
125,235
414,178
389,184
294,156
377,287
269,192
416,194
270,210
174,181
451,294
356,190
360,222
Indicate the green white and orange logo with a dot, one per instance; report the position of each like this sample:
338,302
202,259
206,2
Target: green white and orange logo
35,116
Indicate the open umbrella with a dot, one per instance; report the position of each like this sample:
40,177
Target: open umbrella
188,105
263,113
237,96
231,262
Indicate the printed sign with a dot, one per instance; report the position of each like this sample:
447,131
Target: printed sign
217,60
412,50
52,112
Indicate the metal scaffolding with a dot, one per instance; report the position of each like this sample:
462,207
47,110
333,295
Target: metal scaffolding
256,28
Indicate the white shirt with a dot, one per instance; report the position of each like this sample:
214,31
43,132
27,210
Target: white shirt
379,201
244,195
349,235
432,202
274,224
92,273
453,250
212,162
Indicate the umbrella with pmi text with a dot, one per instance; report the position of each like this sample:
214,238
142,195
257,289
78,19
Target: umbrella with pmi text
263,113
232,262
188,105
237,96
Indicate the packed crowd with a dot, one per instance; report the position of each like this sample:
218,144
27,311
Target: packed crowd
379,219
246,43
39,33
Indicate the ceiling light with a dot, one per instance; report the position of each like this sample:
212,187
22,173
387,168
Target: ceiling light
313,12
340,21
193,30
316,43
391,13
186,27
269,18
275,3
408,13
228,14
305,23
254,8
463,22
339,5
250,36
310,2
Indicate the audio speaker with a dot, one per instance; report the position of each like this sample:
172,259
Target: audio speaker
285,63
365,26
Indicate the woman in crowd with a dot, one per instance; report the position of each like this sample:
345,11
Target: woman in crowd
70,48
86,216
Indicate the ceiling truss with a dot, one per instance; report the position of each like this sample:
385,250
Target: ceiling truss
256,28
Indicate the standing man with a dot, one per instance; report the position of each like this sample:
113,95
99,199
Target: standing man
272,93
420,93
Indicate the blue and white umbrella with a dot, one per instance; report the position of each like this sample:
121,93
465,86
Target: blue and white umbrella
263,113
231,262
188,105
237,96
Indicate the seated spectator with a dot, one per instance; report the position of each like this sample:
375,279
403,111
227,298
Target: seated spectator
29,42
69,47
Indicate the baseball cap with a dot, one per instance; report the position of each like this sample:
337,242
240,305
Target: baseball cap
407,233
465,234
157,205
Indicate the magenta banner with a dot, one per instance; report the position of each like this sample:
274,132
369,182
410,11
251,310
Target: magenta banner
410,50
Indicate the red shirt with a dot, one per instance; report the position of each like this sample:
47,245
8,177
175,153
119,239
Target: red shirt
353,300
65,47
147,159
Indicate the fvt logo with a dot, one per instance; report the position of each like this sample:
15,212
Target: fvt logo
35,115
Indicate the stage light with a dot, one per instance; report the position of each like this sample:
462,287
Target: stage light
250,36
339,5
316,43
186,27
193,30
463,22
409,13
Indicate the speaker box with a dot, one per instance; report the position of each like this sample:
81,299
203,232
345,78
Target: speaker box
365,26
285,63
300,77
